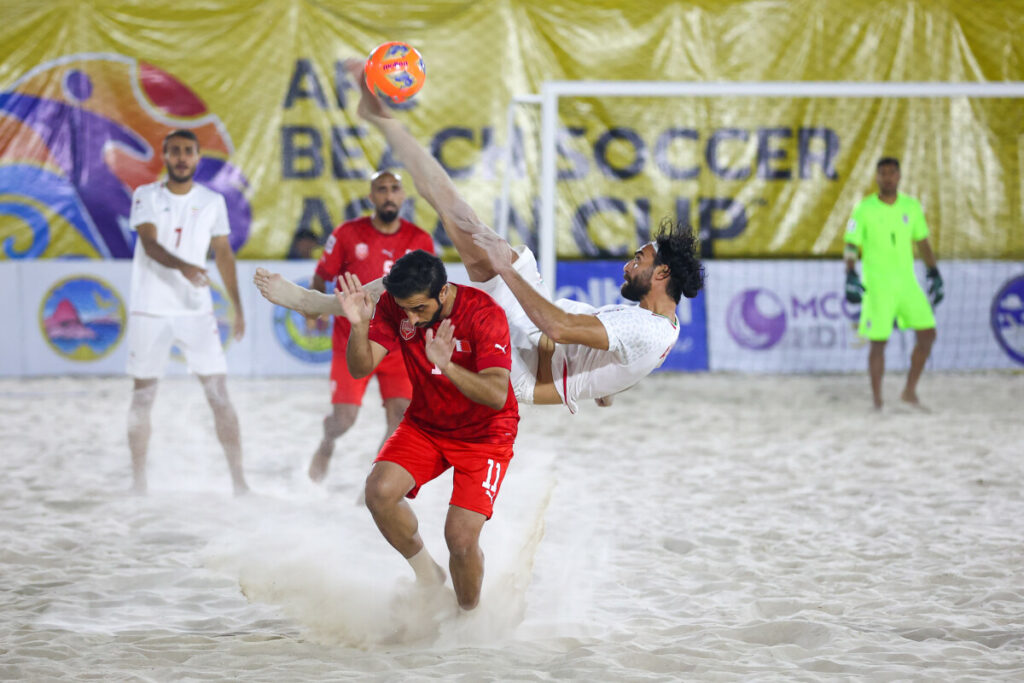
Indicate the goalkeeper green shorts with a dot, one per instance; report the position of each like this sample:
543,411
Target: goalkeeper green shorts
882,306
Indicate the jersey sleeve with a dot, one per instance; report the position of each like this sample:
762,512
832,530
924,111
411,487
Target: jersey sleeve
491,339
220,226
919,228
855,228
383,326
332,259
142,209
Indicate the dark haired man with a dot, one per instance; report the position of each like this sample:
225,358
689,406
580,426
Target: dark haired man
563,352
883,231
178,221
463,414
366,246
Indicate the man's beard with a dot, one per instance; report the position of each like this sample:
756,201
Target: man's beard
180,178
437,316
635,289
387,215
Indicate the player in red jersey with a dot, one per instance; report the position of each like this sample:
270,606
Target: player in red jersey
463,414
366,247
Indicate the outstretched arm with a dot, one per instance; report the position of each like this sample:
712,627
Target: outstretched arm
560,326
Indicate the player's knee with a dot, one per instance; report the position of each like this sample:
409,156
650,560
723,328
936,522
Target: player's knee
461,540
336,425
381,492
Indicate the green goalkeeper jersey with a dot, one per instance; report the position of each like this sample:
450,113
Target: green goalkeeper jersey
886,234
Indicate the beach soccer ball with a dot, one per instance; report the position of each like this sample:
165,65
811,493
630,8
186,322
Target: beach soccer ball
395,71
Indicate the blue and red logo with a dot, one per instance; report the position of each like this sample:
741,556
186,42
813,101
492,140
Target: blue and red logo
79,134
82,317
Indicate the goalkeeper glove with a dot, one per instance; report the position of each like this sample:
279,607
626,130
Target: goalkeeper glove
854,288
936,290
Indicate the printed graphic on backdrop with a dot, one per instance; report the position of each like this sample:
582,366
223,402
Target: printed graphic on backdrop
308,345
82,317
79,134
1008,318
224,312
597,283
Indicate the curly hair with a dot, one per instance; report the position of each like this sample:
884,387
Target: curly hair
677,247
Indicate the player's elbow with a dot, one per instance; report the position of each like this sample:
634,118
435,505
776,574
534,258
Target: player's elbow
558,331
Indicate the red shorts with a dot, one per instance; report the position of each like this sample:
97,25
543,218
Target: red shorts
479,467
391,376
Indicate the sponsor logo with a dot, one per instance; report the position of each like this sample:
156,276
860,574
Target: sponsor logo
756,319
759,319
503,349
82,318
406,329
1007,318
299,339
81,132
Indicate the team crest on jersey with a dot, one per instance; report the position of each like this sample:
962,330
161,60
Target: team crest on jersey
362,251
906,219
406,329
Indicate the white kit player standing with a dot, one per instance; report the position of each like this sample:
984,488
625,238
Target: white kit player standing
178,221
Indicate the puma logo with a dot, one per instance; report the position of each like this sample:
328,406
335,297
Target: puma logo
503,349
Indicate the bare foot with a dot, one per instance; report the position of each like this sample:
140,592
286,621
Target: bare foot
277,289
318,466
240,487
910,398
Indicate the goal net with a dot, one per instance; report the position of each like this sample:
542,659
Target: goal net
768,174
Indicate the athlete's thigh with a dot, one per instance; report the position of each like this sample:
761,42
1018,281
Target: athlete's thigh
150,339
914,311
416,452
393,379
877,314
479,471
344,387
199,339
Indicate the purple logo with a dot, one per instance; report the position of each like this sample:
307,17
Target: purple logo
756,319
80,133
1007,318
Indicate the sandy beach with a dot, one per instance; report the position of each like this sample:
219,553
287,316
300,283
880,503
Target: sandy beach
706,527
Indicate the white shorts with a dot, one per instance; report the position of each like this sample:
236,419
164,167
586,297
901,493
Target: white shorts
525,335
150,338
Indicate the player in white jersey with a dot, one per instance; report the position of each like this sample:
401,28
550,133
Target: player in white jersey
177,221
565,351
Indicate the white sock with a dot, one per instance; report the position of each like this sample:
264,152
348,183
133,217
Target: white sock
424,566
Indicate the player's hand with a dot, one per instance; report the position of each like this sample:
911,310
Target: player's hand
238,329
355,301
196,275
936,288
439,347
854,289
498,251
370,106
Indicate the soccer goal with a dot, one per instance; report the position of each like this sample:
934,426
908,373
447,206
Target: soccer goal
768,174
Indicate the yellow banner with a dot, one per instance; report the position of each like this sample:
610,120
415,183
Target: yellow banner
88,90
